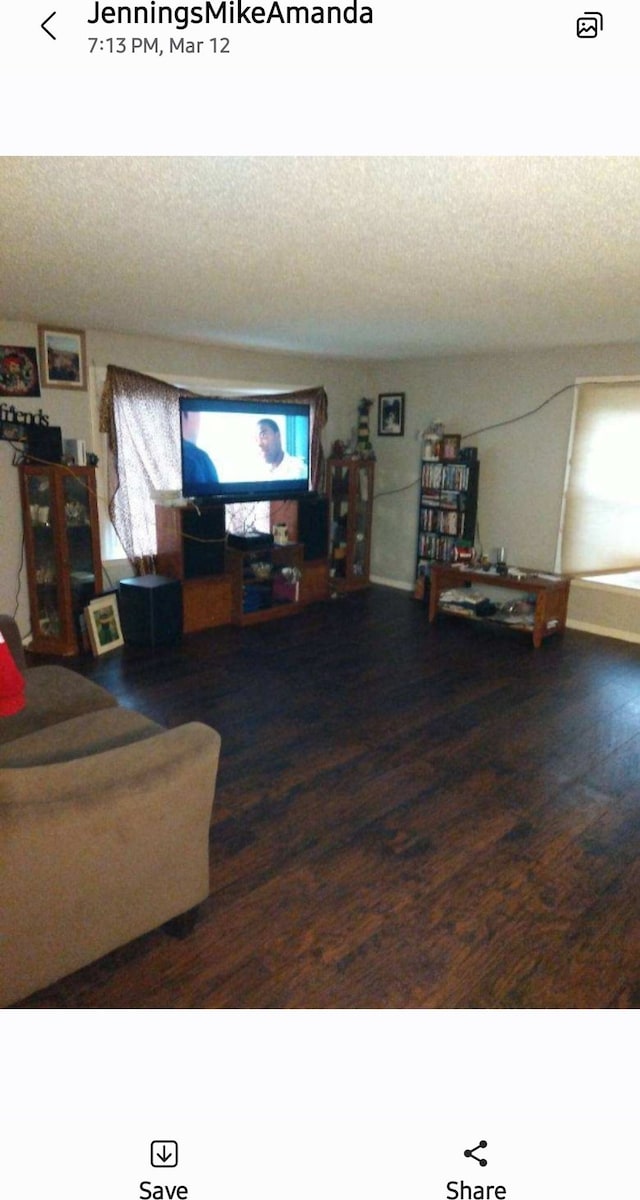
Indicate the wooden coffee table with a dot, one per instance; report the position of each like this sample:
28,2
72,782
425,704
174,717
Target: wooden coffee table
551,595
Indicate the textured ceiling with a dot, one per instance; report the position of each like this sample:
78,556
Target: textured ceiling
359,257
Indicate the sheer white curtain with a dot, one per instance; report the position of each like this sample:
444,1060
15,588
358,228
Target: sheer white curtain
139,414
601,528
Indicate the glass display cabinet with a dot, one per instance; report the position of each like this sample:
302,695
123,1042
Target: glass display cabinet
350,489
62,552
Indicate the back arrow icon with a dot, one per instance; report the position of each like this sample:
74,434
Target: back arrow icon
45,23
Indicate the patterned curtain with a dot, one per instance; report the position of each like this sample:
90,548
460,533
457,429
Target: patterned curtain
139,414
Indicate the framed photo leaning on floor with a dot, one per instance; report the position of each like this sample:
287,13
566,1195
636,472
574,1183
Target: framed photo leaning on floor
103,624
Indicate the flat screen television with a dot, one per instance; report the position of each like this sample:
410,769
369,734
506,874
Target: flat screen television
243,450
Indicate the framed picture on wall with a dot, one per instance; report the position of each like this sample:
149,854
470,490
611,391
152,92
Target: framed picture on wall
63,358
391,414
19,371
451,445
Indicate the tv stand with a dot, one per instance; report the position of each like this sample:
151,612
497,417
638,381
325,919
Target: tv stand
193,547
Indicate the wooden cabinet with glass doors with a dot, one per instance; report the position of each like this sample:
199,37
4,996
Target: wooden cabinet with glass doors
62,552
350,491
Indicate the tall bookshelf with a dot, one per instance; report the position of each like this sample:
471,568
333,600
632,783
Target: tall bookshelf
447,513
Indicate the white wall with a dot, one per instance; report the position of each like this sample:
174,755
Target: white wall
71,411
522,465
345,383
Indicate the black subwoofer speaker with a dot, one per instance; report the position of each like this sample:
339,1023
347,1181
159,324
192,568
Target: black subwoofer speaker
313,525
151,610
203,541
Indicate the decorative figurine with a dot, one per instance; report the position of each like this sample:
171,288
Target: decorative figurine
432,441
364,447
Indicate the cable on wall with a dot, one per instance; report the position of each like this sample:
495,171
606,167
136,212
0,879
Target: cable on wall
395,491
567,387
19,587
523,416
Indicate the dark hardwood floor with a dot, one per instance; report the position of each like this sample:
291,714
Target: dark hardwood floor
405,816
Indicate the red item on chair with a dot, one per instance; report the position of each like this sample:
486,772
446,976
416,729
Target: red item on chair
11,683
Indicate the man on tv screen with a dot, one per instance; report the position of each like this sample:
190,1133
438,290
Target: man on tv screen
279,464
197,465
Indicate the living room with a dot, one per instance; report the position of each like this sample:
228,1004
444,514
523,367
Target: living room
459,382
496,361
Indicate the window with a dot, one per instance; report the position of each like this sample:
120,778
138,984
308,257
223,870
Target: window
601,527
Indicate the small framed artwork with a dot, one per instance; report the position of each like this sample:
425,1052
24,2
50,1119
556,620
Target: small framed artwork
451,445
391,414
19,371
63,358
103,624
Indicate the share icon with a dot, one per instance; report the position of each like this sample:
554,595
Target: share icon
472,1154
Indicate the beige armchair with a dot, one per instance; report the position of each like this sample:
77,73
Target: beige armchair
104,834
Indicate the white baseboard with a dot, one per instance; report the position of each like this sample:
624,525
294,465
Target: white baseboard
622,635
394,583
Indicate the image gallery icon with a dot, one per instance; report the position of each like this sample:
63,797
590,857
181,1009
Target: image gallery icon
589,25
